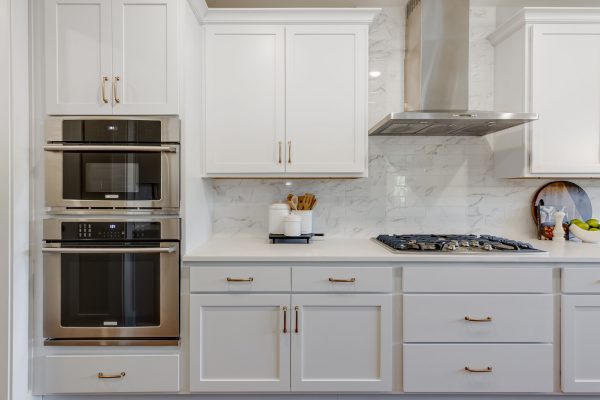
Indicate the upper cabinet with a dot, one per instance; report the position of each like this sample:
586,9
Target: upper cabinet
111,57
548,61
286,93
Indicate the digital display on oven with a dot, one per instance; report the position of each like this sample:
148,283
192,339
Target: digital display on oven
111,230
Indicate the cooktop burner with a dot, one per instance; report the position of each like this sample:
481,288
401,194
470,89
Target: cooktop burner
470,244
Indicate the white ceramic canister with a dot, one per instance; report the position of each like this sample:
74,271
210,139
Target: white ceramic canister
277,214
293,225
306,220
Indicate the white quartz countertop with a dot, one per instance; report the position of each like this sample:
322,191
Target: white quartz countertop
237,249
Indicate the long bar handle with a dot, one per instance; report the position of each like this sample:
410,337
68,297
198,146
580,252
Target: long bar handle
486,369
350,280
104,80
250,279
115,94
279,145
289,151
111,376
296,309
111,250
486,319
149,149
285,309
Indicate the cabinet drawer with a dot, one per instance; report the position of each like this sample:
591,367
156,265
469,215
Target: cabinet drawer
240,279
342,279
141,373
477,280
492,318
581,280
514,368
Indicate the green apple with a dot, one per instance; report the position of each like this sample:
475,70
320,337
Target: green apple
593,223
582,225
594,229
576,221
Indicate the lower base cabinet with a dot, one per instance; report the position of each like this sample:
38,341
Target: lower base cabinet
282,342
70,374
478,368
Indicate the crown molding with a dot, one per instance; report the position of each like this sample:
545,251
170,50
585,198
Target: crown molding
199,8
290,16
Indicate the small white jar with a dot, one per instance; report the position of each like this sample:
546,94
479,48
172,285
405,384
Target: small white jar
306,218
293,225
277,214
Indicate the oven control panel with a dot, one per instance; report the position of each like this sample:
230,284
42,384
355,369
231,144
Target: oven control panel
133,230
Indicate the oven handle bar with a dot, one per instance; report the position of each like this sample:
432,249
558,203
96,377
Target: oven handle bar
149,149
112,250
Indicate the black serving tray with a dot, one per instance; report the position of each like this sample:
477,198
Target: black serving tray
278,238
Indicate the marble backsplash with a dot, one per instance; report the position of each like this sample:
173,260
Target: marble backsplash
415,185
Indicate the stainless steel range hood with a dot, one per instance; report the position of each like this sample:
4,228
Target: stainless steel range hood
436,77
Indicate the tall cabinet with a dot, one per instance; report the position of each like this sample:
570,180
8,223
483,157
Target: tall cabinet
547,61
286,93
111,57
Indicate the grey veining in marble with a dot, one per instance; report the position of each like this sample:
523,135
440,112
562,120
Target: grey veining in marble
426,184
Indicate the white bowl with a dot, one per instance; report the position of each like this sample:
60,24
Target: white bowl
586,236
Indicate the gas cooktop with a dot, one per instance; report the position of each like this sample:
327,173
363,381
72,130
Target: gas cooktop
462,244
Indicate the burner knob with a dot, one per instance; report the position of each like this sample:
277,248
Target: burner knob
464,243
488,247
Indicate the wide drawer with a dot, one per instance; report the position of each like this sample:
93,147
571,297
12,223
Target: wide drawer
476,280
516,368
478,318
122,373
581,280
240,279
342,279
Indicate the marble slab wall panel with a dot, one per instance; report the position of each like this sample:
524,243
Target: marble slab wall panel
421,185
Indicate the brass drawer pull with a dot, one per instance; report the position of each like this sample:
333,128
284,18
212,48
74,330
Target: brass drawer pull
284,319
351,280
486,369
240,279
115,94
104,80
486,319
111,376
296,328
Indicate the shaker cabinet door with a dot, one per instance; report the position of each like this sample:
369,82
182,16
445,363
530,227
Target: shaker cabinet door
326,92
239,343
341,343
78,57
145,78
565,91
245,99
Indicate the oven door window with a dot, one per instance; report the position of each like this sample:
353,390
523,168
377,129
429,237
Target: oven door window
110,290
111,176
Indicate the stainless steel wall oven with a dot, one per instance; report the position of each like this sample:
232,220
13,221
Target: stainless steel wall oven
114,164
111,282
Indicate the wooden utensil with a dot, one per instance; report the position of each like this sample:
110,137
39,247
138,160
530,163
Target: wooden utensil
293,202
563,193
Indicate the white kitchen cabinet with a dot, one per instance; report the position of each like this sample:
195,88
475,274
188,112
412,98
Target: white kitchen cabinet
286,93
326,102
580,345
245,99
342,343
547,62
239,342
111,57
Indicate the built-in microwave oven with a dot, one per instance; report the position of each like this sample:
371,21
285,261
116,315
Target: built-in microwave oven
114,164
111,281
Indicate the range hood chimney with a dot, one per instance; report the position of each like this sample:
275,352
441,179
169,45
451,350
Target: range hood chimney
436,77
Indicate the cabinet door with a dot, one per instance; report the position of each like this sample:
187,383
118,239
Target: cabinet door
342,342
566,93
580,343
145,78
326,92
78,57
239,343
245,102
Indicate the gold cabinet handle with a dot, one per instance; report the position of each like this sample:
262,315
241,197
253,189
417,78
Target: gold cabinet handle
285,309
289,151
111,376
296,329
104,80
240,279
279,144
115,94
486,369
350,280
486,319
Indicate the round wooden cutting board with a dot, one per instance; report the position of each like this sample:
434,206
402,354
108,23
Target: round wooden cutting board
563,193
